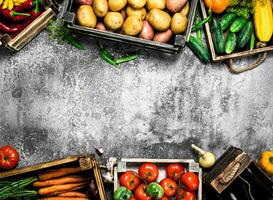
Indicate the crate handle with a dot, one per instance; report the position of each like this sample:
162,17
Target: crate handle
227,178
260,60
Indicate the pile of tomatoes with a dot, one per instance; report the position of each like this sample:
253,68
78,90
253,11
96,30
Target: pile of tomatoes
178,184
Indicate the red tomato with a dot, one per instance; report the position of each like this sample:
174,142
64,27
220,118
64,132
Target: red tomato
164,198
132,198
148,171
182,194
9,157
169,186
190,180
140,193
175,171
130,180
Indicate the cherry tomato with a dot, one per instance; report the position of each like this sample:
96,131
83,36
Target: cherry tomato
9,157
148,171
164,198
130,180
140,193
217,6
169,186
182,194
175,171
190,180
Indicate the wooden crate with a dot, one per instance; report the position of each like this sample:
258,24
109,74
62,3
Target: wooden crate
86,162
125,164
238,54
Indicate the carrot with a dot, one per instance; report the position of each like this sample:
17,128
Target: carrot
71,190
73,194
47,191
64,198
60,181
58,173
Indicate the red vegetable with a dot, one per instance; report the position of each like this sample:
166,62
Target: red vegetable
148,171
175,171
140,193
9,157
130,180
28,5
182,194
9,29
190,180
13,15
169,186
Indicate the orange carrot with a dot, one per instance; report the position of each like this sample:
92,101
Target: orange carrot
73,194
64,198
47,191
60,181
58,173
71,190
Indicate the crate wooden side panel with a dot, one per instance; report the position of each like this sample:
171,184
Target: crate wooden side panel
216,57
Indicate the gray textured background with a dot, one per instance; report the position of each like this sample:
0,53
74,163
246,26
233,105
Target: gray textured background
57,101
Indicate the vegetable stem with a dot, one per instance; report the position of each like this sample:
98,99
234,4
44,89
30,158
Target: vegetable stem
201,151
127,58
202,22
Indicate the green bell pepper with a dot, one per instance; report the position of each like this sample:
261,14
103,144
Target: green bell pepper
155,190
122,193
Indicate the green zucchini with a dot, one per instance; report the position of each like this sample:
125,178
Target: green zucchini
199,49
230,43
238,24
245,35
217,36
227,20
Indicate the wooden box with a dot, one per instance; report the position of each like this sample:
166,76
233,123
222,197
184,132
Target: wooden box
125,164
235,174
15,43
87,164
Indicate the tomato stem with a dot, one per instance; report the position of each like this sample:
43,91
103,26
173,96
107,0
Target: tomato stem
271,159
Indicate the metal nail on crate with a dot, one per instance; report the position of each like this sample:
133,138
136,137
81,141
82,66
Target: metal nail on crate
32,30
178,42
125,164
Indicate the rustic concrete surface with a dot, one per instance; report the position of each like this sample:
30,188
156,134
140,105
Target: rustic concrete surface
57,101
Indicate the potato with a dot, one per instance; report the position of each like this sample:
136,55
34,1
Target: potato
132,26
163,36
147,31
185,10
175,5
100,26
137,3
113,21
85,2
86,16
100,7
160,4
159,19
179,23
136,12
116,5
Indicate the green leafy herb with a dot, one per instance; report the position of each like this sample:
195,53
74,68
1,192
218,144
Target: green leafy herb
57,31
242,8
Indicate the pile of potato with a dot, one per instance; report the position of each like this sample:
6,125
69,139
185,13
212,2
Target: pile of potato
154,20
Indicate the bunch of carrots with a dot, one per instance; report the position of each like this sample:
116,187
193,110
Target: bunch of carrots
63,184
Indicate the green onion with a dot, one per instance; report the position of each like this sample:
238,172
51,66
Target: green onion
127,58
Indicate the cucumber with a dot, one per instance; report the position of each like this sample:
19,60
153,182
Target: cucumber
217,36
230,43
199,49
238,24
227,20
245,35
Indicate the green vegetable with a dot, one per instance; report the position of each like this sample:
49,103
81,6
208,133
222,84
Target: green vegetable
126,58
57,31
238,24
199,49
122,193
245,35
16,189
201,23
242,8
227,20
217,36
230,43
155,190
108,59
252,41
